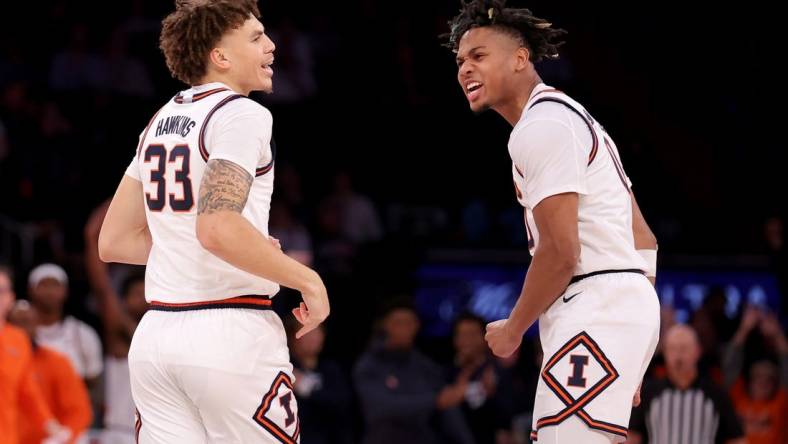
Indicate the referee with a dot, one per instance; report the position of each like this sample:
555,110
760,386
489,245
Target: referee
684,409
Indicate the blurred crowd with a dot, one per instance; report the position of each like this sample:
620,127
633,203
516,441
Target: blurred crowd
712,378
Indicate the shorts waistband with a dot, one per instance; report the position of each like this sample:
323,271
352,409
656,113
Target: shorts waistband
580,277
253,302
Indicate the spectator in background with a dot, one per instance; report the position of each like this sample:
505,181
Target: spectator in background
120,314
48,288
761,396
402,392
334,253
358,217
75,68
20,396
63,390
54,169
476,370
714,328
290,189
324,395
123,73
292,234
683,407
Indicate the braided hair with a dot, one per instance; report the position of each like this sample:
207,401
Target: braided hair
536,34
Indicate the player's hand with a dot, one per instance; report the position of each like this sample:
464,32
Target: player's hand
275,242
501,339
313,310
636,398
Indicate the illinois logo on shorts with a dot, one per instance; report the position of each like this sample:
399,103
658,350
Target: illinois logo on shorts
577,373
278,412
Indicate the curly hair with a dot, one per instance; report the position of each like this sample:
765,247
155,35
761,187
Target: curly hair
195,27
536,34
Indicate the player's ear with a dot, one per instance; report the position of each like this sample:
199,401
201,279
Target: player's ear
522,58
218,58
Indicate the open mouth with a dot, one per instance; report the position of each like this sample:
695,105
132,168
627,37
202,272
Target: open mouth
473,90
267,67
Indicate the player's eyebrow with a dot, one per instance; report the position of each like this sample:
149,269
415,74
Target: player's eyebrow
460,59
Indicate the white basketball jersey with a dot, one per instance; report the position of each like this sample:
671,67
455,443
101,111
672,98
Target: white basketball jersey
557,147
205,122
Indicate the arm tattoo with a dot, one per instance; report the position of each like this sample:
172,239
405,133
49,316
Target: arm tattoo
225,186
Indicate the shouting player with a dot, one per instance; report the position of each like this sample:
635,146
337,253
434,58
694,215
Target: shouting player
592,250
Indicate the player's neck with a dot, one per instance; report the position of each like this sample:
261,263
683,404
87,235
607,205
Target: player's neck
216,77
512,109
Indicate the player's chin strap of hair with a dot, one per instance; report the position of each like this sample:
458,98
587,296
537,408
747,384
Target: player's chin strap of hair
650,256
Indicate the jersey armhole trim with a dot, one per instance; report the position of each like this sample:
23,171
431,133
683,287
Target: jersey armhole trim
204,151
595,144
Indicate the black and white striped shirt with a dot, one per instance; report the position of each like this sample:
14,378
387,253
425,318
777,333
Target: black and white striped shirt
701,414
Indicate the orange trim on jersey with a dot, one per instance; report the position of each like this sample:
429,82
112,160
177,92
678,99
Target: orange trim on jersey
265,405
253,302
179,98
607,427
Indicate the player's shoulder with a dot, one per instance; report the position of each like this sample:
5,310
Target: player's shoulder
554,107
539,127
244,107
553,113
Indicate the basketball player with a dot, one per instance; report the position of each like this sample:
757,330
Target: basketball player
598,313
209,360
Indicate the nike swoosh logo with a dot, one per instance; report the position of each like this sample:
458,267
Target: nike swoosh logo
567,299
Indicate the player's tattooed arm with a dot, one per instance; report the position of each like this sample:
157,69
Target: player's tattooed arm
225,187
